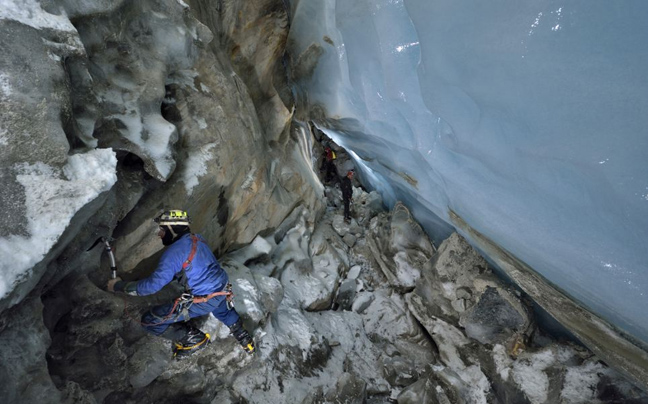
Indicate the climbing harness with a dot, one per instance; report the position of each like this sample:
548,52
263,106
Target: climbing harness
229,295
227,292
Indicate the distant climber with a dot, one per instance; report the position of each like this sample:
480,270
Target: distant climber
189,260
328,164
347,195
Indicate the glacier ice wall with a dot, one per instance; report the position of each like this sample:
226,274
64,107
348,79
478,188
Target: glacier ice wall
528,119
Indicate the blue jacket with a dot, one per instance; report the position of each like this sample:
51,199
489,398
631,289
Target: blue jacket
204,275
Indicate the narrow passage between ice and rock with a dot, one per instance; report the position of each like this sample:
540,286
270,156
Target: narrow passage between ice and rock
369,311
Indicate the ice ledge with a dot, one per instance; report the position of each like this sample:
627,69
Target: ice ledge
612,346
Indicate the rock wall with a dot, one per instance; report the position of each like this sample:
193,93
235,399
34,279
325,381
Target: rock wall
192,125
192,101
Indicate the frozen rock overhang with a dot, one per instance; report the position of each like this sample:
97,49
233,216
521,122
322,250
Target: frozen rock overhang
523,118
52,197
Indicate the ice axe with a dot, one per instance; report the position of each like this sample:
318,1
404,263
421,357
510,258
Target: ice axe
109,249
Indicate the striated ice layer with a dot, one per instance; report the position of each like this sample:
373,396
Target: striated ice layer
528,119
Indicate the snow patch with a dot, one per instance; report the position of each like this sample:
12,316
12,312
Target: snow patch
29,12
529,374
202,123
153,134
72,46
160,134
246,286
204,88
580,383
5,86
502,361
249,179
479,385
53,56
195,166
184,78
258,247
405,273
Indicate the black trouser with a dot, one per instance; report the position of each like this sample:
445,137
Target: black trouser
347,208
329,171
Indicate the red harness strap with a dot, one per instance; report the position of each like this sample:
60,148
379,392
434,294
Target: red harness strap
194,247
203,299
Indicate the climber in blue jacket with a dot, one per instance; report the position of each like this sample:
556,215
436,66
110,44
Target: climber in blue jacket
189,260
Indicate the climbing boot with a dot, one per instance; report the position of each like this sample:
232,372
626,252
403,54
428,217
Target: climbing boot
192,342
242,336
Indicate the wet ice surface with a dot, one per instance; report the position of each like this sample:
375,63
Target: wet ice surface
523,118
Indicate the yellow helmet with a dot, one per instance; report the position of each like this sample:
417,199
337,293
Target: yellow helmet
173,217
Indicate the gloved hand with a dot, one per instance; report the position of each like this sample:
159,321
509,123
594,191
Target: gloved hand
110,287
